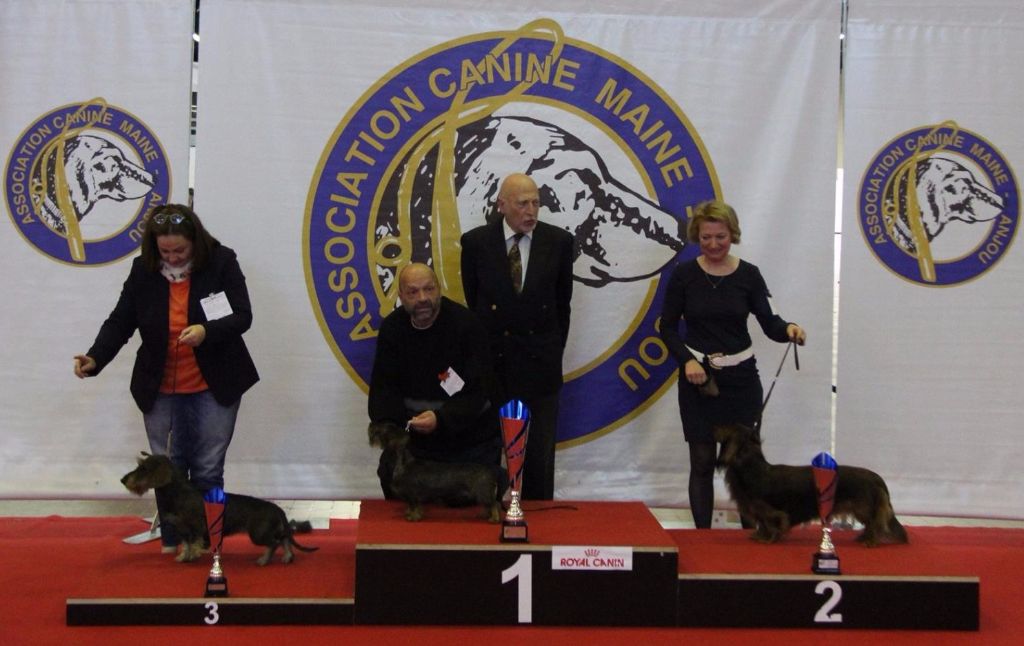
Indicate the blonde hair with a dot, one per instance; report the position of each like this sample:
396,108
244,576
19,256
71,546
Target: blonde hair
713,211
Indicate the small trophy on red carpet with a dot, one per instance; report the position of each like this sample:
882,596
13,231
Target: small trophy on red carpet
515,427
826,478
214,502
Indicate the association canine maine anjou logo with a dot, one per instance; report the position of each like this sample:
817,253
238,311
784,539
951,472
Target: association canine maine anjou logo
418,159
80,179
939,205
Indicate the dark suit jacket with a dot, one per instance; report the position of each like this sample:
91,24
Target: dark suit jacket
144,305
527,331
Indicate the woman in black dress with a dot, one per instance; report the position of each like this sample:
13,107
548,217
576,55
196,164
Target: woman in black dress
713,295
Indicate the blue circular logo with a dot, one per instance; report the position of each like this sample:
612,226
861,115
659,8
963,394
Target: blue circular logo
418,159
939,205
80,179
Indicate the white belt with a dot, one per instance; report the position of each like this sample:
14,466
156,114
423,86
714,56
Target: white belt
719,360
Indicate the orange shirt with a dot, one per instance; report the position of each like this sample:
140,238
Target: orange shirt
181,372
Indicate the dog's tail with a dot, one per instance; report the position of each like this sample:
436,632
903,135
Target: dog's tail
895,531
300,527
299,546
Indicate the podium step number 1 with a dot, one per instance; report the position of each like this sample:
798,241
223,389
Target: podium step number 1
522,570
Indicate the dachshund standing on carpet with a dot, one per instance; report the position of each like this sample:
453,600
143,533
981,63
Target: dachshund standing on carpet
417,482
182,506
775,497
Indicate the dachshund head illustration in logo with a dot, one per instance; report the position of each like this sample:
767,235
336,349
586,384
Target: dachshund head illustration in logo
620,235
94,169
945,191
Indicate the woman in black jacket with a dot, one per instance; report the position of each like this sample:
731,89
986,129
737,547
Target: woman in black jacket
186,296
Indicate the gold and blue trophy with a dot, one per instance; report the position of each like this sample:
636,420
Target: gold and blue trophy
515,427
826,479
214,503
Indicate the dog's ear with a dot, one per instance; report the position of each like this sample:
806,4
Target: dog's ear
730,437
720,433
376,431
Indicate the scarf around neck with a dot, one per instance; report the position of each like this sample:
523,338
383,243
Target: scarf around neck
176,274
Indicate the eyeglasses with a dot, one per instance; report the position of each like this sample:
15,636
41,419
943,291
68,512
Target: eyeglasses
175,218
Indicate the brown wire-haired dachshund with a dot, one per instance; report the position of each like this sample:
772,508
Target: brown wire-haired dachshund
418,482
181,505
775,497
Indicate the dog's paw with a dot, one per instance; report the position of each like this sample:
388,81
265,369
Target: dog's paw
414,514
868,539
762,536
493,514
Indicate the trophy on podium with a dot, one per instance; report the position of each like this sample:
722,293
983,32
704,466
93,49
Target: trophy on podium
515,427
214,502
826,478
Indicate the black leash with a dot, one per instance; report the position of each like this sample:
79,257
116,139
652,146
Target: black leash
796,361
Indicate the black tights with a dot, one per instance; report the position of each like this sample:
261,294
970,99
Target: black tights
702,482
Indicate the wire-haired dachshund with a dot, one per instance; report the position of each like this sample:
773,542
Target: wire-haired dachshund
418,482
181,505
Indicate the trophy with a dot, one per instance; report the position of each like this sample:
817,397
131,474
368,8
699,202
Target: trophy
826,477
515,426
214,502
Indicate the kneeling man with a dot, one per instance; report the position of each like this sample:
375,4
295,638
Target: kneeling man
432,373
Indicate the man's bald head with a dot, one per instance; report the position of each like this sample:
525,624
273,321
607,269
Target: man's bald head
419,294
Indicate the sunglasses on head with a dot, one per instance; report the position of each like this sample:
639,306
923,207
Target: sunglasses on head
175,218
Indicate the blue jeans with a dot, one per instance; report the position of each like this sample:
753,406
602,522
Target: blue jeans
194,431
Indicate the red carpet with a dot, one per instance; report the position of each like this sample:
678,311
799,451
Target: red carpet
554,523
47,560
932,551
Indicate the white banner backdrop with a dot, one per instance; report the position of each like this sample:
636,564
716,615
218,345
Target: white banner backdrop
309,110
930,317
106,84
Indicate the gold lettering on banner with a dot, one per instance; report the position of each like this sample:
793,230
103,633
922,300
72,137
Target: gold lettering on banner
999,174
149,151
385,125
651,351
154,199
995,246
674,166
340,250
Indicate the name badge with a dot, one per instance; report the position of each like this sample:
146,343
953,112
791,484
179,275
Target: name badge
216,306
451,382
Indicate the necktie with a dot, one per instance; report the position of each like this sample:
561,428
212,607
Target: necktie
515,264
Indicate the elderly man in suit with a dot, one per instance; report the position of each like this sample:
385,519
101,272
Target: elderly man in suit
517,277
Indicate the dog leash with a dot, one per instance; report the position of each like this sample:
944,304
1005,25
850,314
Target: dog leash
778,371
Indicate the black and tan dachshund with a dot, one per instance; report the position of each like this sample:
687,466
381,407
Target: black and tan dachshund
775,497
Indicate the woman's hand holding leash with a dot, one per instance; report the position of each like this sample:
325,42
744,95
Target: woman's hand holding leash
796,334
695,373
84,366
193,335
